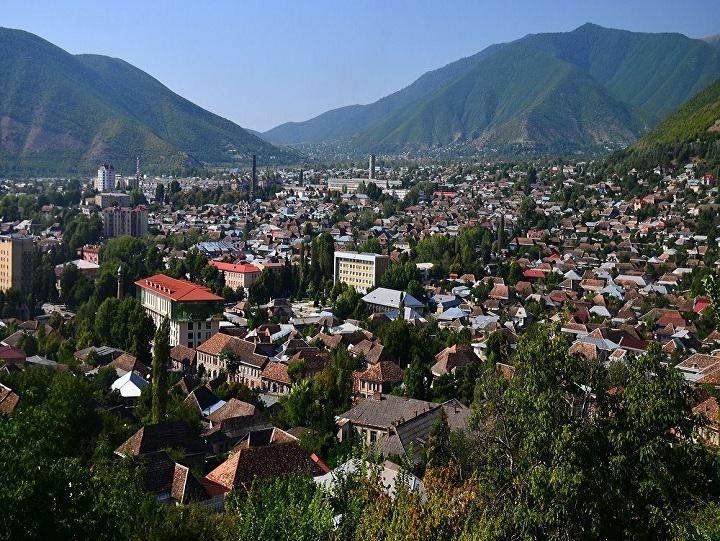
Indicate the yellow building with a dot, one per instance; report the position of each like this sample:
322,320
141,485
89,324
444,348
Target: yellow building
16,262
361,270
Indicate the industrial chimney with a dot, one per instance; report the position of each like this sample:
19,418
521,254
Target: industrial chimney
253,179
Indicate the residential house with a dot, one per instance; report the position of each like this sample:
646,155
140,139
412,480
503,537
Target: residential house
233,356
377,378
171,434
453,357
389,300
246,465
373,419
232,422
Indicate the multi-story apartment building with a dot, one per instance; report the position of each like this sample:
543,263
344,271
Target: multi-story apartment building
120,221
112,199
16,262
193,310
360,270
237,275
105,181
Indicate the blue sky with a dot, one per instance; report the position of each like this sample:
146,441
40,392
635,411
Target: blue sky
260,63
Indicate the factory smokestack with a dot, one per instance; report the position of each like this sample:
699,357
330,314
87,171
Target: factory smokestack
253,179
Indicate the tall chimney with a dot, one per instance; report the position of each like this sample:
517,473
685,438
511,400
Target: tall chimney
120,287
371,169
253,179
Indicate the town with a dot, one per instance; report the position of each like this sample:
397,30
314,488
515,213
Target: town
251,325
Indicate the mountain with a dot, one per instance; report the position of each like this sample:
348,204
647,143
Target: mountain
692,132
713,40
348,121
590,88
68,113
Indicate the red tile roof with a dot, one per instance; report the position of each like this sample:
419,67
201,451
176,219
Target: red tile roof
534,273
243,268
268,461
277,372
8,399
382,372
177,290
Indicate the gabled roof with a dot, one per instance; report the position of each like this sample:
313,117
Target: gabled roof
177,290
9,353
164,476
391,298
243,268
8,399
708,408
130,385
205,400
276,372
388,411
182,354
457,355
268,461
232,408
382,372
153,438
129,363
243,350
415,431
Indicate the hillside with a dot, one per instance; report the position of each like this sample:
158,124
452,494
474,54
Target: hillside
586,89
348,121
563,107
713,40
65,113
692,132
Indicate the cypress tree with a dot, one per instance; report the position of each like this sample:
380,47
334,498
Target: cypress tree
161,354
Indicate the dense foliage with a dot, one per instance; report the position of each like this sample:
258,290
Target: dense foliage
563,450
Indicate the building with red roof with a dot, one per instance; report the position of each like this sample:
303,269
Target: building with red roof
193,310
237,275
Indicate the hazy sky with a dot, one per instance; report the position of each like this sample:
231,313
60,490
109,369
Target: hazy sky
263,62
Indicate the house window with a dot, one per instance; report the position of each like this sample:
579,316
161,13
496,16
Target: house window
373,436
190,326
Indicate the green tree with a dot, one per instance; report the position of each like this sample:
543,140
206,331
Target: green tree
527,214
417,379
371,246
160,193
322,257
281,509
161,356
438,444
545,451
346,303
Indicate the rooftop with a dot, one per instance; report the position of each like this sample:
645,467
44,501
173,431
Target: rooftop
177,290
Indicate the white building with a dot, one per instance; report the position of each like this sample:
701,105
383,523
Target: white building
193,310
105,181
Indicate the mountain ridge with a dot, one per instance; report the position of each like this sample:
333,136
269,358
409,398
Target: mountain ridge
638,77
66,113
